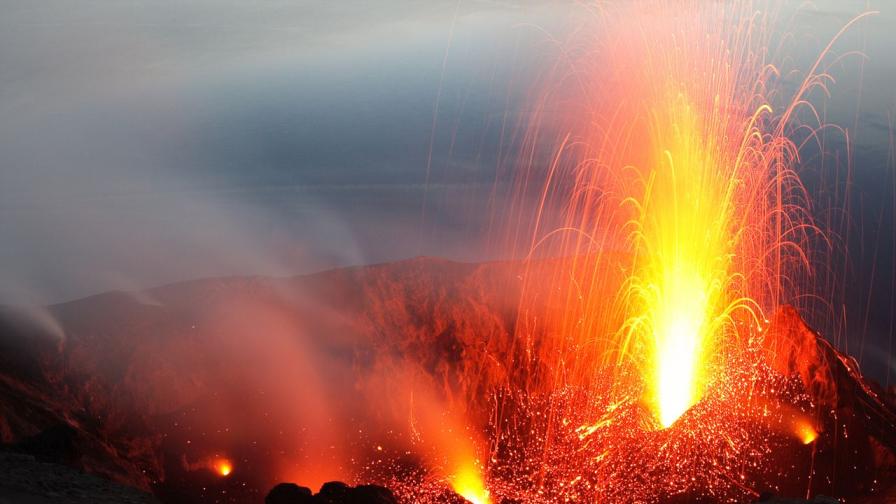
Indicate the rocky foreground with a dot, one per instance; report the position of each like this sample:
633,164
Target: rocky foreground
26,480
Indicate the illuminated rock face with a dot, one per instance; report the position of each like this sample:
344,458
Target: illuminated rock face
193,358
857,418
832,378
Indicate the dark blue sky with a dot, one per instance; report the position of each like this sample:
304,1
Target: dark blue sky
146,142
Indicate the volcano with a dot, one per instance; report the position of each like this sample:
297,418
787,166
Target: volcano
216,390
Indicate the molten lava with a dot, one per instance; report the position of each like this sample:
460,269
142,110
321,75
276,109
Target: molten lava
468,483
678,362
806,432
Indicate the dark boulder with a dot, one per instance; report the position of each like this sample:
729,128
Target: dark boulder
289,493
373,494
55,444
332,492
768,498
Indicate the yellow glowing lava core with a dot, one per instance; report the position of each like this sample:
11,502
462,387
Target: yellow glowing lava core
686,233
805,432
678,327
468,483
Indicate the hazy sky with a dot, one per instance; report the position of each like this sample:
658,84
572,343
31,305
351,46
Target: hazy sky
143,142
146,142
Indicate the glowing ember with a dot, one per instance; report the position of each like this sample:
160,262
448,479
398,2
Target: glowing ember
223,467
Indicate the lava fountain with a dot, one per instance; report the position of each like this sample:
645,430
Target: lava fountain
660,218
686,236
714,204
673,191
675,220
